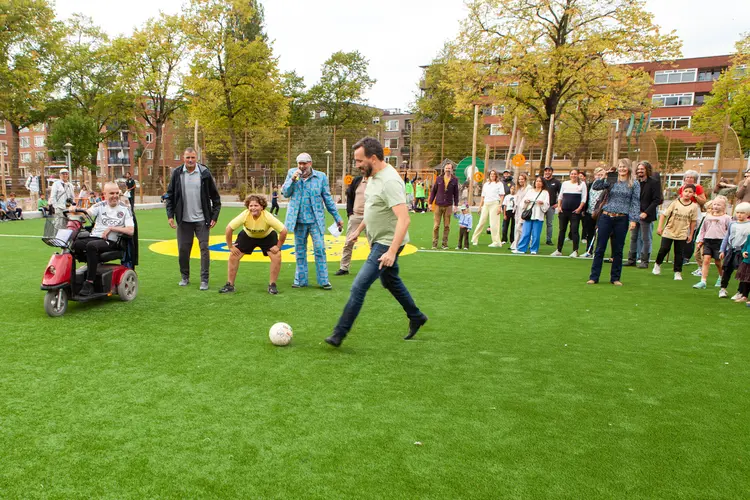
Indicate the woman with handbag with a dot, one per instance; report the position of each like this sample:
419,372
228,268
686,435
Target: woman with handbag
589,224
522,187
617,211
533,207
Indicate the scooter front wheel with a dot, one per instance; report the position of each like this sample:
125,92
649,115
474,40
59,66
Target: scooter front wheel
56,302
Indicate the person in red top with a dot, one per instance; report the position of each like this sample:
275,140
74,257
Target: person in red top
445,195
690,177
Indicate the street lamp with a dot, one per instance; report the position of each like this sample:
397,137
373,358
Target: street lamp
68,146
328,165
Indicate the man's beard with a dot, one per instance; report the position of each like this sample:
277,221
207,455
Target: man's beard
366,169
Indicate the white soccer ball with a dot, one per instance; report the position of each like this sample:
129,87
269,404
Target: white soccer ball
280,334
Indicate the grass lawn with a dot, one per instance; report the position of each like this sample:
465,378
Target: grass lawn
525,383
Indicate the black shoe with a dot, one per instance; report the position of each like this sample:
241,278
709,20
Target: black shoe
341,272
549,243
415,325
272,289
629,263
228,288
335,339
87,288
643,265
327,286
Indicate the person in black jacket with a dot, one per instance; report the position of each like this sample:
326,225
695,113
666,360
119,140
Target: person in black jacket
355,212
193,206
651,198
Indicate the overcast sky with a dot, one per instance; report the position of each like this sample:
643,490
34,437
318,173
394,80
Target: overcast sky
397,36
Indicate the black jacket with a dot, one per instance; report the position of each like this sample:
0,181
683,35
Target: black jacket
351,193
210,198
650,198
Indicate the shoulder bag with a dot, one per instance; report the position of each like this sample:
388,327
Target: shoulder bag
526,214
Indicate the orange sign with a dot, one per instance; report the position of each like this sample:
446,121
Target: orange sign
518,160
348,180
478,177
387,151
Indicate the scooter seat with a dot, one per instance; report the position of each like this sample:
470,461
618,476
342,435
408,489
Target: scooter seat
111,255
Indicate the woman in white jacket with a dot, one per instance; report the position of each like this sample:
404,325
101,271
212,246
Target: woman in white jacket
537,199
493,192
522,187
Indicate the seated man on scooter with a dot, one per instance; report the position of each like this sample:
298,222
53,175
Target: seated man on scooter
110,218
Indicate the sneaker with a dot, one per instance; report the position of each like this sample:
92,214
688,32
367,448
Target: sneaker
327,286
734,297
495,245
533,252
184,282
656,270
556,253
445,247
433,248
272,289
458,248
741,298
204,285
228,288
629,263
414,326
642,265
718,283
475,242
548,243
587,255
574,254
723,293
335,340
517,252
466,248
701,285
87,288
678,276
698,272
297,285
341,272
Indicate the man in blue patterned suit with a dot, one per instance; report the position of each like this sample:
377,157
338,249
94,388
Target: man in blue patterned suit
309,195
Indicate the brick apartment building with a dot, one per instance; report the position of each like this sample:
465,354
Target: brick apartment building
396,136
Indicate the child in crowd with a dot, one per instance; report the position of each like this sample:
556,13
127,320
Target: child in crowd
509,216
464,227
676,227
713,229
743,273
731,247
43,207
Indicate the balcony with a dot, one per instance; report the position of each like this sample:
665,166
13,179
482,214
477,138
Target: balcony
118,145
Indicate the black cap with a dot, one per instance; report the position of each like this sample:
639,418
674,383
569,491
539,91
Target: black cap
549,168
506,170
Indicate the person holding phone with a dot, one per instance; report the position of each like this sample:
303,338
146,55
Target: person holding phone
620,212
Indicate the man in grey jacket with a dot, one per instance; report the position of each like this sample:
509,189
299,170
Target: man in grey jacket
193,205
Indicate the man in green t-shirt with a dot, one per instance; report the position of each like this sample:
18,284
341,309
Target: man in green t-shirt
386,222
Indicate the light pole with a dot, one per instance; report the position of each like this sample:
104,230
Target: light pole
328,154
68,146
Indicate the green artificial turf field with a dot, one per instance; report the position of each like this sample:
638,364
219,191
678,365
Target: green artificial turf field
525,383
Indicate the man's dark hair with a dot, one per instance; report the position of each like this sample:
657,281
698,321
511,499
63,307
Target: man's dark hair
648,167
689,186
371,146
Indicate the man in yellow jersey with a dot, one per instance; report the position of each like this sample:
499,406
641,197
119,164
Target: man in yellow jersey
259,229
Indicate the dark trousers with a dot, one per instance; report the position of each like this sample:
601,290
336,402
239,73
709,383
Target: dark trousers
132,202
274,206
366,276
463,237
92,248
609,226
421,205
729,265
565,217
509,222
185,233
588,226
679,250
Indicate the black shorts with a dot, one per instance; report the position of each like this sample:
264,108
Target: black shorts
712,247
247,244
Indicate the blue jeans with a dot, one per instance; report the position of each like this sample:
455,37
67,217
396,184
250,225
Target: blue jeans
531,231
640,241
301,232
606,227
365,278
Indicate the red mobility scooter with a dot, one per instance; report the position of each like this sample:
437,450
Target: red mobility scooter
63,282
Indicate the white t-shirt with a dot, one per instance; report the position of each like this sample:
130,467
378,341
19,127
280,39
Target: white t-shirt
492,191
106,217
509,202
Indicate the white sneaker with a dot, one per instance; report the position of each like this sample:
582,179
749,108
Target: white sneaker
678,276
723,293
734,297
656,270
556,253
494,245
533,253
587,255
698,272
475,242
574,255
517,252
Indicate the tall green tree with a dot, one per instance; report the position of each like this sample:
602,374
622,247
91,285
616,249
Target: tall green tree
541,55
82,132
29,42
152,61
234,82
293,88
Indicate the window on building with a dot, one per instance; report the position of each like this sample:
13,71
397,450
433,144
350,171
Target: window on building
41,156
149,154
25,142
124,135
391,143
375,120
497,129
177,156
25,157
709,74
98,155
39,141
3,147
391,126
149,137
670,100
497,110
675,76
706,152
700,98
2,127
39,127
739,71
25,129
670,123
392,160
312,115
323,114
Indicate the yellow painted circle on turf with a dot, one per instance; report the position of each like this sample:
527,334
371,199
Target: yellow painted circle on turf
218,249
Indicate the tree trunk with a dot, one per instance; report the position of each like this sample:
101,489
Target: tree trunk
14,149
156,168
545,135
